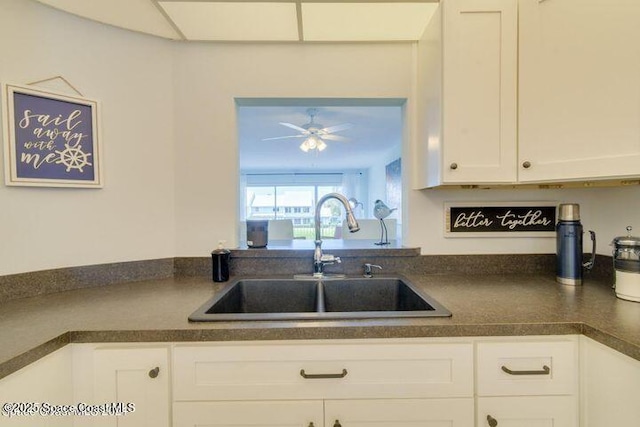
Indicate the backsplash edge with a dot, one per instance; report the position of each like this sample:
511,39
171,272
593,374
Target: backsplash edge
23,285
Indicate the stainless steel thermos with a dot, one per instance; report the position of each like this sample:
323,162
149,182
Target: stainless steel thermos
569,265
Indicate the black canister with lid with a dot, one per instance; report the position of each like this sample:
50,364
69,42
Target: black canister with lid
220,261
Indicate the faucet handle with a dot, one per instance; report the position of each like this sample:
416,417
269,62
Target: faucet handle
368,273
330,259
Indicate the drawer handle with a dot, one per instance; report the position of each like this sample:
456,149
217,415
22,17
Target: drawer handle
303,374
545,371
154,372
337,424
492,421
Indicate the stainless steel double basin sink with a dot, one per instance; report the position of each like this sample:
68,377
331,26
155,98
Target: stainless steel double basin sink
318,299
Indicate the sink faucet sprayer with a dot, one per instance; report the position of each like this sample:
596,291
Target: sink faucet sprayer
368,270
320,260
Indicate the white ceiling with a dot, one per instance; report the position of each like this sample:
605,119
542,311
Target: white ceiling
376,134
377,129
260,20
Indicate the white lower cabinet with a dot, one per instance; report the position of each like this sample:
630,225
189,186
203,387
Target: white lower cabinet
129,383
301,413
610,386
132,376
332,383
527,384
531,411
519,382
24,393
395,412
329,413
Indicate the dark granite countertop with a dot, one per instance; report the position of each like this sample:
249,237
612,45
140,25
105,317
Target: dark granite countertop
157,310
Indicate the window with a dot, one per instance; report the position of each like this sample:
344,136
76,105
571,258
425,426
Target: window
358,160
294,196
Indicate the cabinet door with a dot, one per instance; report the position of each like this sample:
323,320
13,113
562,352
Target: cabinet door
242,414
480,90
130,376
540,411
579,91
405,412
610,386
47,380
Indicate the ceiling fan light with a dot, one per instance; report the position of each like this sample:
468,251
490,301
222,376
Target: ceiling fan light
312,142
321,145
304,146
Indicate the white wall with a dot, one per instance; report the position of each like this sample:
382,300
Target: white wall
607,211
132,217
207,79
169,117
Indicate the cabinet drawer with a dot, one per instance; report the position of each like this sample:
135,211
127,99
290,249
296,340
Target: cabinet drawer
317,371
527,368
539,411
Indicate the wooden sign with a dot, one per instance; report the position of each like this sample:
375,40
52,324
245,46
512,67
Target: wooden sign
522,219
51,140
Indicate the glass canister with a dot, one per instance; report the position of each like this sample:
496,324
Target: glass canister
626,265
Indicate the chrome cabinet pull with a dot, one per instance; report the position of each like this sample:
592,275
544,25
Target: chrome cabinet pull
453,166
154,372
492,421
545,371
526,165
303,374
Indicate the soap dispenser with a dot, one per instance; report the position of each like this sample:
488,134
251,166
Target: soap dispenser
220,261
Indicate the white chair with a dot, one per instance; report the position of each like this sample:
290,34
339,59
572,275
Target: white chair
280,229
370,229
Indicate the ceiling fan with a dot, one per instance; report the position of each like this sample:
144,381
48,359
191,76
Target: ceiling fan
314,133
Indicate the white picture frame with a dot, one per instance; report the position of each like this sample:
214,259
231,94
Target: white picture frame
50,139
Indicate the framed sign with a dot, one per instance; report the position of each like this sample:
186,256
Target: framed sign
50,139
507,219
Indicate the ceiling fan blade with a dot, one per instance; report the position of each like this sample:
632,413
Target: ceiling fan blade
334,138
336,128
283,137
298,128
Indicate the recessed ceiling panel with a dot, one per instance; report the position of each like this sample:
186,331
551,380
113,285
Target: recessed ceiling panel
365,21
234,21
137,15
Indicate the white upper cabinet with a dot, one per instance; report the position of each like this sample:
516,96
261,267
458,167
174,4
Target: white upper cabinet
579,89
569,68
468,93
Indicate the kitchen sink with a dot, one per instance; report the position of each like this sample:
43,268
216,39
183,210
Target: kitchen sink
318,299
265,296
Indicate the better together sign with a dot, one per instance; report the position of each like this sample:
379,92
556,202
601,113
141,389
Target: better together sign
528,219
